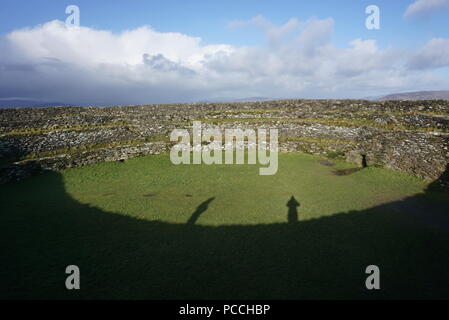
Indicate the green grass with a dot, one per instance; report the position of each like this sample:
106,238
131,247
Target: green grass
236,185
125,226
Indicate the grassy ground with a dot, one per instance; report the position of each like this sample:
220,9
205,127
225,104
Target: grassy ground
148,229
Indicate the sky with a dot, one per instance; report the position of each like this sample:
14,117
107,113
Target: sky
139,52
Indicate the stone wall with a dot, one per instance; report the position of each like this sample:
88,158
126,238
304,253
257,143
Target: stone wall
401,135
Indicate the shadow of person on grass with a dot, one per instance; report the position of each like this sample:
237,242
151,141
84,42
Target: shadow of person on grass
199,210
292,216
43,230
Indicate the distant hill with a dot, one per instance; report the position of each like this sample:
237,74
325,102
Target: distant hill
17,103
417,95
249,99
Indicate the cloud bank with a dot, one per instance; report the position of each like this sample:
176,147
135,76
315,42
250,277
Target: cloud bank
89,66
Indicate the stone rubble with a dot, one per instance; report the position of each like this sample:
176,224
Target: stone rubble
409,136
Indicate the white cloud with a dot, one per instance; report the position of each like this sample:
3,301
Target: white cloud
435,54
89,66
274,33
425,7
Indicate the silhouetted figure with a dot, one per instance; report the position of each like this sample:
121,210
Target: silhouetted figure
292,205
364,162
199,210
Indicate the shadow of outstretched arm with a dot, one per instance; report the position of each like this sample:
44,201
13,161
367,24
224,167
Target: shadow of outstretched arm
199,210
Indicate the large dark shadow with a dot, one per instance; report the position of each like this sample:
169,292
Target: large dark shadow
199,210
43,230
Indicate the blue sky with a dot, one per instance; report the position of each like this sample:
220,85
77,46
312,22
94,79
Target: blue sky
342,21
208,19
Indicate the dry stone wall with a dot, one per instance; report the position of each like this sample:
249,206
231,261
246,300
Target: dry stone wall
410,136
